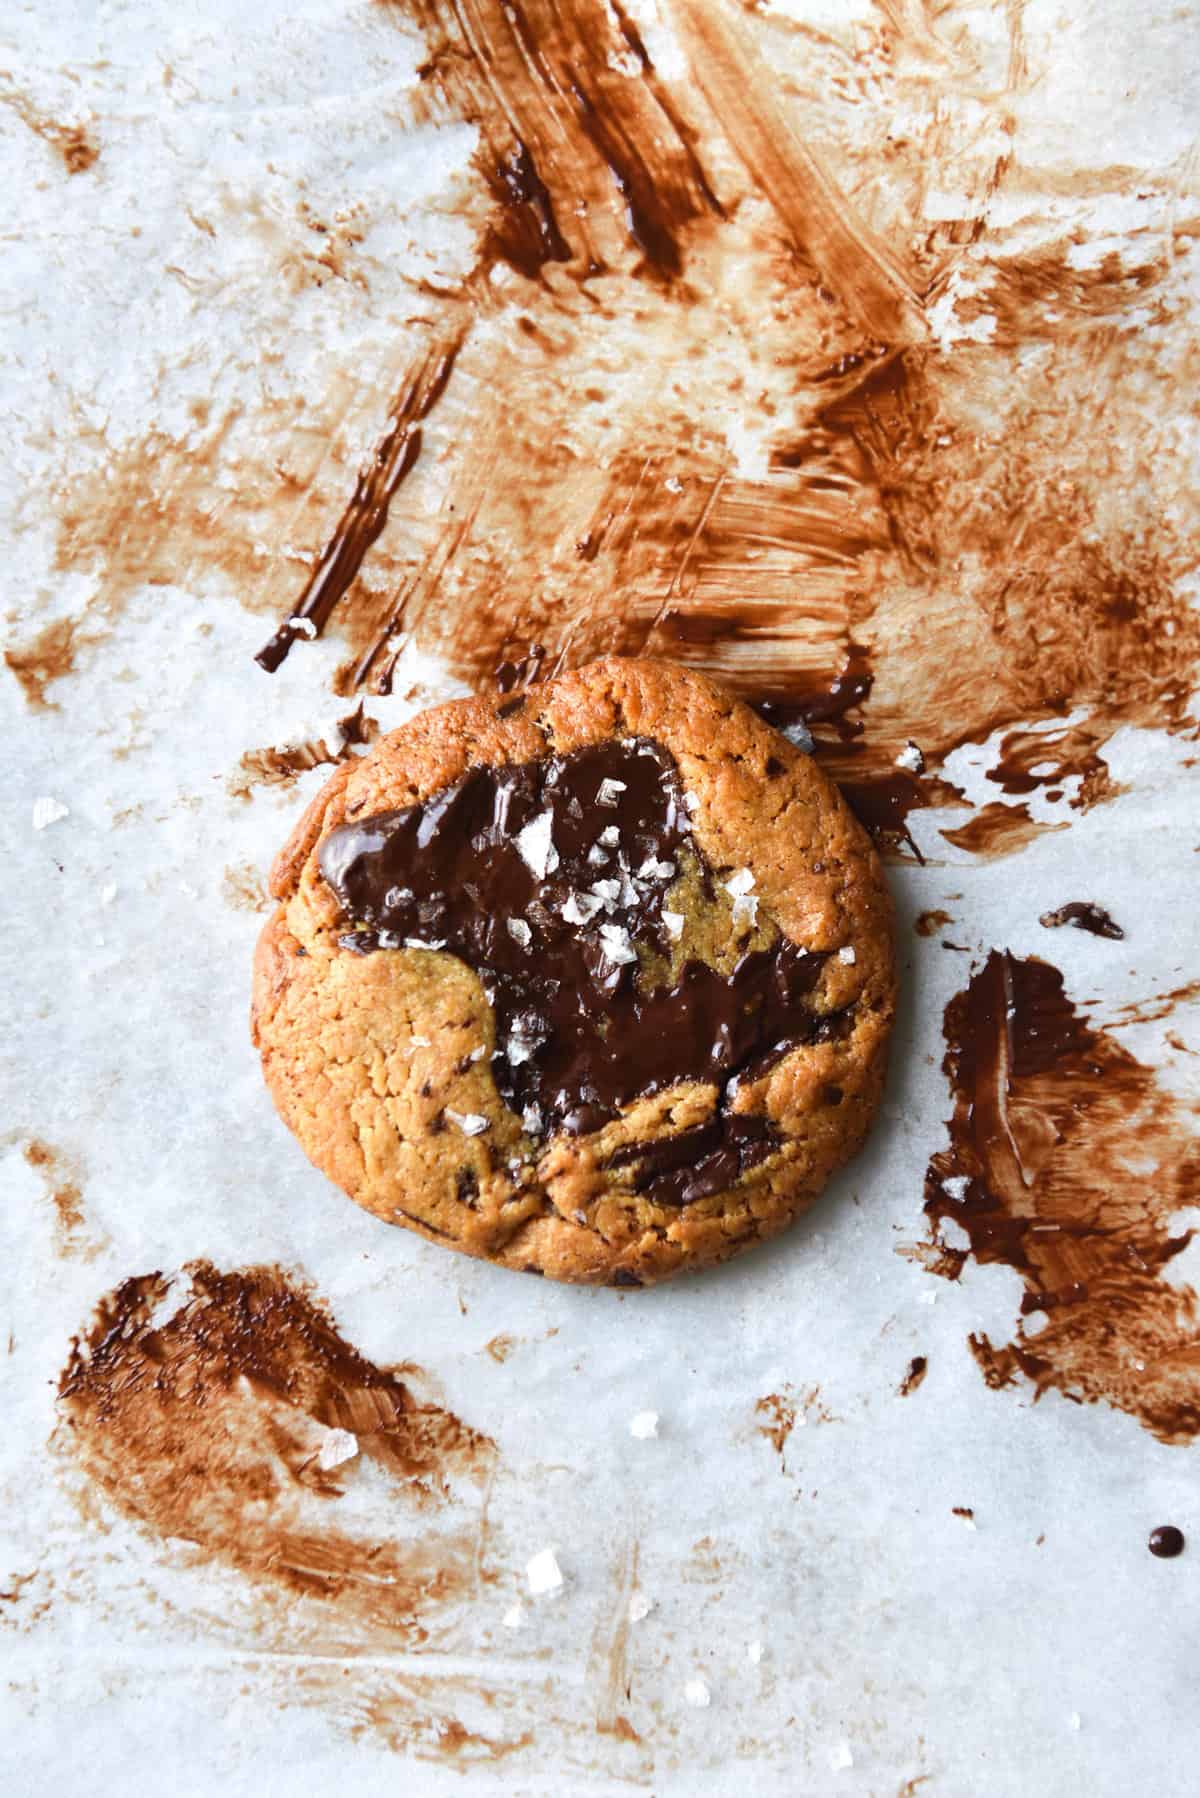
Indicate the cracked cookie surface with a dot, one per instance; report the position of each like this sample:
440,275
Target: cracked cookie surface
595,981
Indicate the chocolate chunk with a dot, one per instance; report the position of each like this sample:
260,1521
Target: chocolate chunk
586,845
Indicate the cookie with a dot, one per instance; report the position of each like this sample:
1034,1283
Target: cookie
594,981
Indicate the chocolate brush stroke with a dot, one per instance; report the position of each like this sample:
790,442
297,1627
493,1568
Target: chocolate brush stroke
740,401
200,1407
1070,1161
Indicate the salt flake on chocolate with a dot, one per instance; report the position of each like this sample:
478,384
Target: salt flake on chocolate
535,847
519,931
673,922
615,941
910,757
581,908
610,836
740,888
608,792
531,1119
847,955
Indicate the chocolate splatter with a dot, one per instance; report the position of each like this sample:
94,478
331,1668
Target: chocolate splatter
963,1511
1083,915
47,656
553,879
74,143
1166,1542
1068,1161
918,1367
62,1176
778,1410
206,1407
928,923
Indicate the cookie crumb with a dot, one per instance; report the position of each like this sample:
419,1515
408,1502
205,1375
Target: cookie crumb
543,1572
644,1425
337,1447
48,811
697,1693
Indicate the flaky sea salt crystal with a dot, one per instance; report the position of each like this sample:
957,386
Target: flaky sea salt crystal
597,857
610,836
840,1757
615,941
754,1652
606,893
48,811
847,955
1074,1721
519,931
639,1607
535,848
304,627
799,735
697,1693
581,908
471,1123
543,1572
955,1187
910,757
519,1049
609,791
420,942
108,894
514,1616
740,887
651,869
336,1447
673,923
531,1119
644,1425
421,1042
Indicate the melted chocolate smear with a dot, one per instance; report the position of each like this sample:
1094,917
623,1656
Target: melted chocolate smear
367,513
1069,1162
1166,1542
581,1030
208,1426
918,1367
1084,916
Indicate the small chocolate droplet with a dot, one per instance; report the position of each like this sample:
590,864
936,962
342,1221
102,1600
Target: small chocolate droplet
1166,1542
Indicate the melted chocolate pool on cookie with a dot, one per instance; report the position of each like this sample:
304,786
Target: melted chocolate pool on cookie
550,879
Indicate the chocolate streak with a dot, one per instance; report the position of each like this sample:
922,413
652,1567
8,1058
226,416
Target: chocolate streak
367,513
591,1011
1069,1162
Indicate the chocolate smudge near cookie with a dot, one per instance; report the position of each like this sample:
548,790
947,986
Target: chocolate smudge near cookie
1069,1160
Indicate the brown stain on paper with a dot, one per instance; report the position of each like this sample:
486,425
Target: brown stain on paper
62,1177
198,1407
744,256
75,144
1074,1160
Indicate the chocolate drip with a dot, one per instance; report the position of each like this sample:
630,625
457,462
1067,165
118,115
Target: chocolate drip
552,880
